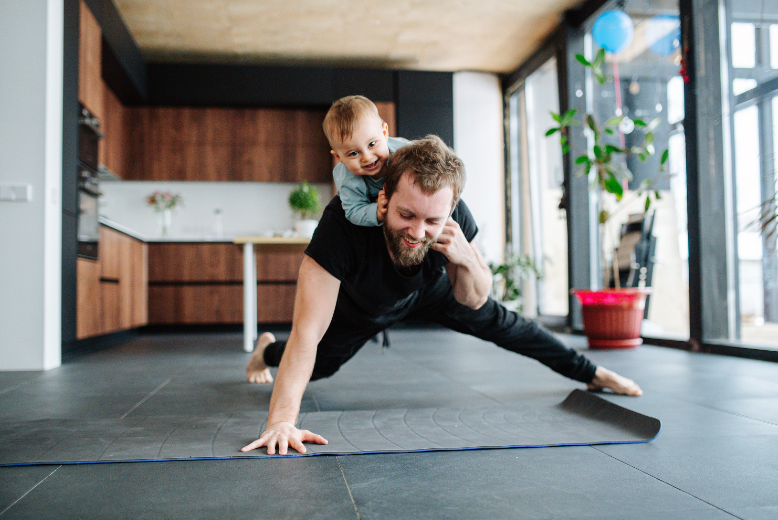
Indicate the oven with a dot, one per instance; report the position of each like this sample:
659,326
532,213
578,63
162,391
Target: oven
89,136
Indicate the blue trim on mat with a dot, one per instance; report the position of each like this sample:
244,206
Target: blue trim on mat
330,454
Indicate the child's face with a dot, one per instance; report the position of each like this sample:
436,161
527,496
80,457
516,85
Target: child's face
367,150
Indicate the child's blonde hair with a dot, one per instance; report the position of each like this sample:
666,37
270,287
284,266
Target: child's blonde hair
344,115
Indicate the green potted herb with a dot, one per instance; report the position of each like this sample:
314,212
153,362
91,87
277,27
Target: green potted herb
304,201
605,167
510,276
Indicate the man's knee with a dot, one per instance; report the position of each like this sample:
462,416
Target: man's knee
325,367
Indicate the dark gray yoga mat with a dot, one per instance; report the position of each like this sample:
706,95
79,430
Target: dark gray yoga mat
581,419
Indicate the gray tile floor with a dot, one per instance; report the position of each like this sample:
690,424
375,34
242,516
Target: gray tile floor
716,458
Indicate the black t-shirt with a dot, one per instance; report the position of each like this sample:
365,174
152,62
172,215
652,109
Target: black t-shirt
370,284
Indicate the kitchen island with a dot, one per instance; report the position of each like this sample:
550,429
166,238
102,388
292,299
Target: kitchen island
190,281
249,243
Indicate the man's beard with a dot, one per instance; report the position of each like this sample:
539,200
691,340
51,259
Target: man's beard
406,259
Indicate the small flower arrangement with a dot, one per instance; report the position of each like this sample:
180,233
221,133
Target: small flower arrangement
161,201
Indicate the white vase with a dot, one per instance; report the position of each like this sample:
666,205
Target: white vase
305,228
165,222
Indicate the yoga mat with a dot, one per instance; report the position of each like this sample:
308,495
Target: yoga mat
581,419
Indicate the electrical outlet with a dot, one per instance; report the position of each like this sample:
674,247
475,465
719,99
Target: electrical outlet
16,192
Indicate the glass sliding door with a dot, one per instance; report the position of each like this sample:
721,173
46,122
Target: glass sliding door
539,226
644,83
753,66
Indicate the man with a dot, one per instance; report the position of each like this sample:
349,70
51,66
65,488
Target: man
355,281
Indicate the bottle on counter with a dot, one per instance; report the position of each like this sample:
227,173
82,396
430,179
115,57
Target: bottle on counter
218,223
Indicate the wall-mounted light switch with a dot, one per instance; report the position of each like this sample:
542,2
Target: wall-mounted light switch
15,192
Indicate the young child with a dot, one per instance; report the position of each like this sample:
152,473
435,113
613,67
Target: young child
360,140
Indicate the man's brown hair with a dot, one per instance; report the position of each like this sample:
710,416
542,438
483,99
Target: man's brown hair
344,115
430,163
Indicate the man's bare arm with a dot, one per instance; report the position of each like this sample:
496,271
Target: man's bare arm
317,293
469,274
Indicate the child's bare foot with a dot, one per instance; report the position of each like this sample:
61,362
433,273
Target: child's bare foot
256,370
604,378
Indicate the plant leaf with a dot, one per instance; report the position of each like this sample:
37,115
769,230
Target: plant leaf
600,77
583,61
653,124
582,159
568,116
556,117
614,121
648,202
613,185
591,123
639,122
552,131
665,156
609,148
599,59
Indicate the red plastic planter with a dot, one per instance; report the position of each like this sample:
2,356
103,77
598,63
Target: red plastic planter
612,317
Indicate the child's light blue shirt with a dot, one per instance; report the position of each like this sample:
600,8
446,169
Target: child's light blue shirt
357,192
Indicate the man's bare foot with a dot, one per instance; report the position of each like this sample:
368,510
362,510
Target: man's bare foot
257,371
604,378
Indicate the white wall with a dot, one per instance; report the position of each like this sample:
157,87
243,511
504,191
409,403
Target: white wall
247,208
478,140
31,153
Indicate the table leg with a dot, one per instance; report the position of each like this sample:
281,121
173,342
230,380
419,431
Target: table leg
249,298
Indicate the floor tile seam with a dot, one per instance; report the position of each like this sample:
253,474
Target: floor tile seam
4,511
12,388
348,488
149,396
709,407
666,483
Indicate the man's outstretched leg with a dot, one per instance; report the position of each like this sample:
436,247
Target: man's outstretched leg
256,370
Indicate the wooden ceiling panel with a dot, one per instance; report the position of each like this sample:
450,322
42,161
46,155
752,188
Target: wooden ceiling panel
452,35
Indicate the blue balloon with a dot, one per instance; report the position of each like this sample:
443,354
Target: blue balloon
613,31
663,34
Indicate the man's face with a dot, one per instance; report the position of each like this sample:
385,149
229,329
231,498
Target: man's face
414,220
366,151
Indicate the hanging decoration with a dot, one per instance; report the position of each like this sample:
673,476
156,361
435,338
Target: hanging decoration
613,31
663,34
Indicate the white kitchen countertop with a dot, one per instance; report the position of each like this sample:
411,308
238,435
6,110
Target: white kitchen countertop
173,238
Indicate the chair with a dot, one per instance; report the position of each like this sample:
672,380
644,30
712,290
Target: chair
635,255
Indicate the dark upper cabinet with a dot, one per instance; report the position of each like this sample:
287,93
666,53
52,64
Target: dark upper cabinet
226,144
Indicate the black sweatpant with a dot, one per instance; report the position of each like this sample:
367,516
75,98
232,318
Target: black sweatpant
349,331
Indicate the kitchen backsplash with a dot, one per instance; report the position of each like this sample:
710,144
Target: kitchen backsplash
246,208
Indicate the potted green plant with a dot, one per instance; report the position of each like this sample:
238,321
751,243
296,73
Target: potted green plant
304,201
510,276
612,317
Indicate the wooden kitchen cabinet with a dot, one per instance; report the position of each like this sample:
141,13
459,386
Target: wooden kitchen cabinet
112,292
113,125
226,144
90,83
139,282
202,283
89,300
